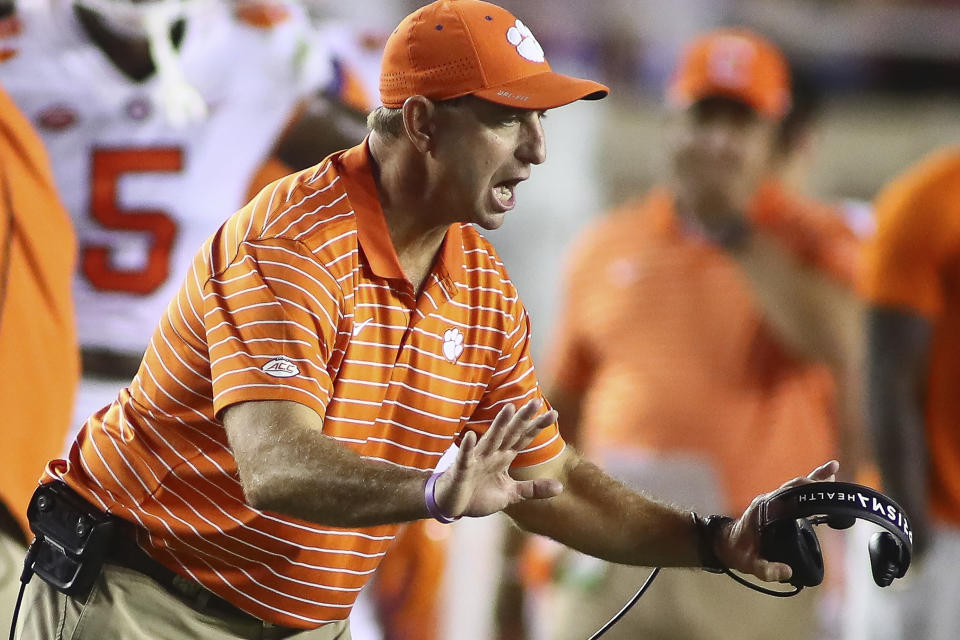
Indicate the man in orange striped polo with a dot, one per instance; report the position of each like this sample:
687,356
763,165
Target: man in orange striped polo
702,333
329,343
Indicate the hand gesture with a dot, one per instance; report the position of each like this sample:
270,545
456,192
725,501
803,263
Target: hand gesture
479,483
738,546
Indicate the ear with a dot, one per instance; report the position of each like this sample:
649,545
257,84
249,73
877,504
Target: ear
418,121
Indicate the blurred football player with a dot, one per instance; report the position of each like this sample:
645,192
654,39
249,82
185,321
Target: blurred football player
156,114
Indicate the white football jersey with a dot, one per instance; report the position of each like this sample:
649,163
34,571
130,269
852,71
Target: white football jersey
144,194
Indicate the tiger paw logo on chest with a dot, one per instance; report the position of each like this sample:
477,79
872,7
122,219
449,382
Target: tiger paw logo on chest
452,344
280,368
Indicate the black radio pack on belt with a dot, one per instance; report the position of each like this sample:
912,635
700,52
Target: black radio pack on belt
786,529
70,544
71,538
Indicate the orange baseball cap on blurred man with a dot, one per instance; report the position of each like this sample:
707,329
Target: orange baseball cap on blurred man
737,64
453,48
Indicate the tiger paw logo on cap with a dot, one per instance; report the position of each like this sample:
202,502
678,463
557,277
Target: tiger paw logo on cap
527,46
452,344
730,61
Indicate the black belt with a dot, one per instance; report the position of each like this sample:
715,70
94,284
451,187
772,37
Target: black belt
109,365
125,552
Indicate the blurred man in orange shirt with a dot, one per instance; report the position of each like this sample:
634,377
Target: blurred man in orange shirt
38,350
704,331
913,338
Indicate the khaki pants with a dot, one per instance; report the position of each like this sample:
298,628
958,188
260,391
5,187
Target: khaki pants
127,605
681,604
12,553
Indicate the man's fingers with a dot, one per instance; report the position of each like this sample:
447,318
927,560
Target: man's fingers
519,424
539,488
827,472
795,482
499,428
467,445
772,571
533,428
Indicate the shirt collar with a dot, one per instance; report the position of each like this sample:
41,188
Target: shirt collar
766,205
355,167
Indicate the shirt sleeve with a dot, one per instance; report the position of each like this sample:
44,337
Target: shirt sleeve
271,320
902,263
814,233
515,382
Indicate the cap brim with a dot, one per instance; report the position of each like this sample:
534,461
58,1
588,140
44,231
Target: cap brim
683,97
547,90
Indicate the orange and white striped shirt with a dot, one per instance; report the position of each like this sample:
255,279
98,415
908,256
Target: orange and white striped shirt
300,296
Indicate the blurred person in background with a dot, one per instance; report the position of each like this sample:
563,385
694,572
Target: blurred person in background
709,341
910,280
39,362
157,116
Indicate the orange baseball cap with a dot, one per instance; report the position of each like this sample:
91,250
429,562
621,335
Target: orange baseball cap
733,63
453,48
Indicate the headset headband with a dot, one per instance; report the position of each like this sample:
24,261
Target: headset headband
838,499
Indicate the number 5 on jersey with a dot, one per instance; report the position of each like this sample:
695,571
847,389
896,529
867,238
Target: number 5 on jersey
106,168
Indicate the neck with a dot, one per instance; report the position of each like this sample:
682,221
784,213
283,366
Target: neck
417,227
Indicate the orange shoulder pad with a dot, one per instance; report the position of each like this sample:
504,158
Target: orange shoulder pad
262,14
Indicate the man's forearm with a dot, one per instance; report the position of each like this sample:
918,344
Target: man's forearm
313,477
599,516
287,465
902,455
818,318
899,345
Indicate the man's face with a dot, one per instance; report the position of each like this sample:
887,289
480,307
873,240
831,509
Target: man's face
720,152
481,152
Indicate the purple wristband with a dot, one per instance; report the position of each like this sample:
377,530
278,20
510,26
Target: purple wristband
431,501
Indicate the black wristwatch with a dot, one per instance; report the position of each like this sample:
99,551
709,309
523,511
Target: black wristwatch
708,529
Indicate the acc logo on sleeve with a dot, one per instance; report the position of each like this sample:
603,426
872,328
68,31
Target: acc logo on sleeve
280,368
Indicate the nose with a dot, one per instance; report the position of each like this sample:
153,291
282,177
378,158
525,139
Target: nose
721,139
533,145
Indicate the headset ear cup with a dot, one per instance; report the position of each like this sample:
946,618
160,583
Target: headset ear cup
795,543
886,558
840,522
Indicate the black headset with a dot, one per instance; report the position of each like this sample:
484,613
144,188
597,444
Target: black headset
786,529
787,517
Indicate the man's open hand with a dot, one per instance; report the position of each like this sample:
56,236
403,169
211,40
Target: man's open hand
478,483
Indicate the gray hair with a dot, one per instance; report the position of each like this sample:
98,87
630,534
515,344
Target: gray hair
388,122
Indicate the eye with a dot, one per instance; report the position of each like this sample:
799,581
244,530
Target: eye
512,117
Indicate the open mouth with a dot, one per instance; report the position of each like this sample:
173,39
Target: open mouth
503,194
